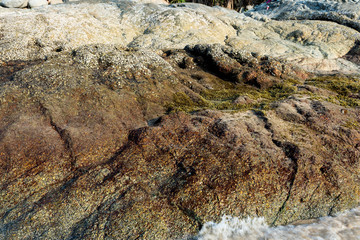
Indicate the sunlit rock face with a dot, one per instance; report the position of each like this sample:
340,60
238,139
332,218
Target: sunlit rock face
125,120
292,30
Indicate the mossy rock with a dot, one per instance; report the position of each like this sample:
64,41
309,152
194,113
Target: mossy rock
224,98
347,89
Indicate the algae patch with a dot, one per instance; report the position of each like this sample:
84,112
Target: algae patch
352,124
183,102
347,89
240,96
234,97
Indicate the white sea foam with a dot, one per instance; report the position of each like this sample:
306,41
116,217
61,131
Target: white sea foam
345,226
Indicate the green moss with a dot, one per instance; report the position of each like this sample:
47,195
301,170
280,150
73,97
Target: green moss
291,81
352,124
224,94
281,91
231,93
342,85
345,87
223,97
342,101
182,102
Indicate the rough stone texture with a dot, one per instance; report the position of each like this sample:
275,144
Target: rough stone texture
37,3
55,2
14,3
315,45
354,54
84,154
92,144
341,13
125,23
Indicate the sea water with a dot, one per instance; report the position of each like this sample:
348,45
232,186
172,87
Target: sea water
345,226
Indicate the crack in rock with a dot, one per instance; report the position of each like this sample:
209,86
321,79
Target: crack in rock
291,151
63,134
190,214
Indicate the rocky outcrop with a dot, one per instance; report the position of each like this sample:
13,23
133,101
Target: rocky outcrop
317,46
121,129
83,150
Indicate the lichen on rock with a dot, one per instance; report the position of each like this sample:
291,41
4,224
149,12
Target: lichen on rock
135,122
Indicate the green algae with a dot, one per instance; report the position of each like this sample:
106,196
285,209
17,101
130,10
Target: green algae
352,124
342,85
347,89
225,96
183,102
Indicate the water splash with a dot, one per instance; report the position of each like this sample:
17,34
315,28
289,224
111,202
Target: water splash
345,226
233,228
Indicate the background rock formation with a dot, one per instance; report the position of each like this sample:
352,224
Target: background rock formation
145,121
316,45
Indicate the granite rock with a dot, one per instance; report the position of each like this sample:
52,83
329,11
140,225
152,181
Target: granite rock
37,3
14,3
91,140
302,39
144,121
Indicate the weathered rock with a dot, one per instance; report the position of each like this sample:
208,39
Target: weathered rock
126,23
14,3
315,37
84,154
354,54
316,46
92,143
342,12
55,2
37,3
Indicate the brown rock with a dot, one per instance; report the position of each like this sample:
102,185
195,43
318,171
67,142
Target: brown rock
87,149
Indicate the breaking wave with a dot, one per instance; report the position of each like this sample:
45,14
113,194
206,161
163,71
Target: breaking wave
345,226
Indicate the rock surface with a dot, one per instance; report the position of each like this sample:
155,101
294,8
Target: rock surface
83,150
146,121
318,46
14,3
37,3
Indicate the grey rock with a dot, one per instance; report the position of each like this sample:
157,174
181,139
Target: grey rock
343,12
37,3
14,3
301,39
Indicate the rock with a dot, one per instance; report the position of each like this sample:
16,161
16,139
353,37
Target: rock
127,24
354,54
311,34
55,2
14,3
243,100
314,45
37,3
86,142
342,12
145,121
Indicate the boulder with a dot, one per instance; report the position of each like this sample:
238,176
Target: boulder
305,40
14,3
126,120
55,2
37,3
93,138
